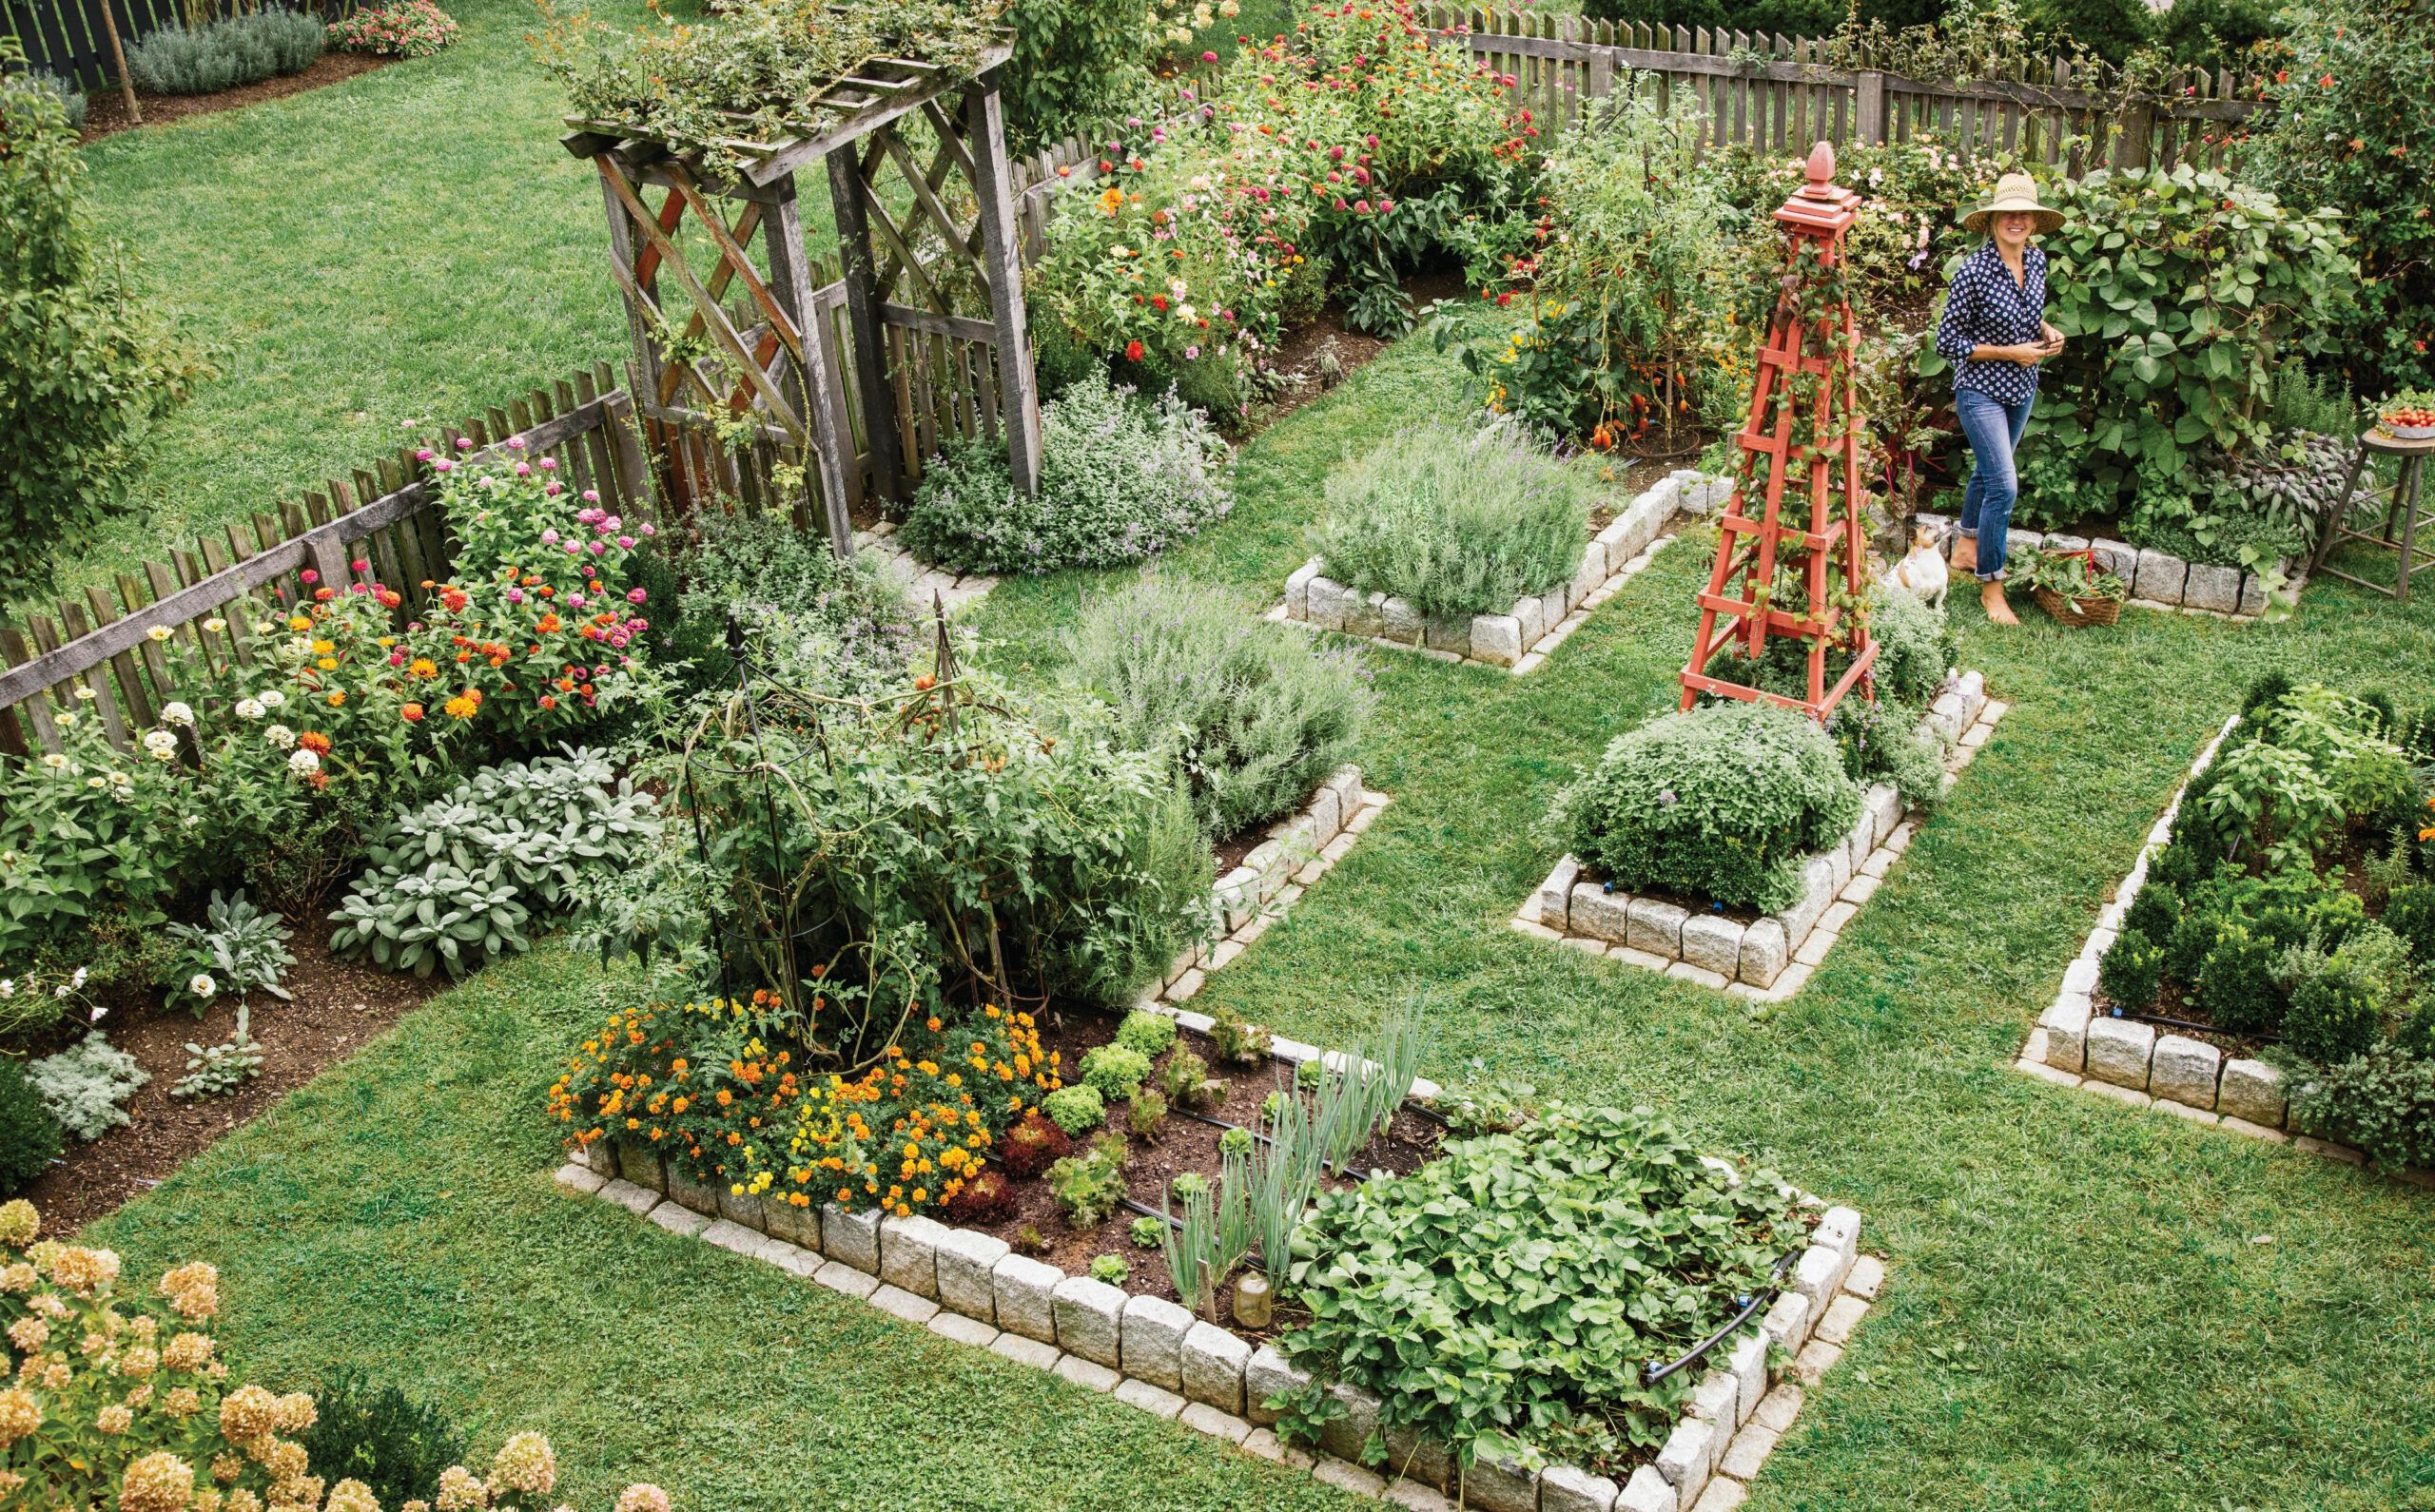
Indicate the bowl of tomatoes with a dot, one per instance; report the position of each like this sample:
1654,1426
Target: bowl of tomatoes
2408,416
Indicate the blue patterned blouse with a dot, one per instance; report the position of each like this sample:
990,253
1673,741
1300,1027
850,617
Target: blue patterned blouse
1985,307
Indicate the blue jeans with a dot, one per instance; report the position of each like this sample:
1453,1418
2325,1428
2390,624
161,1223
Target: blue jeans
1993,429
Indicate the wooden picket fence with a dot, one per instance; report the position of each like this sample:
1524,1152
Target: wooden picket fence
1776,94
67,37
384,517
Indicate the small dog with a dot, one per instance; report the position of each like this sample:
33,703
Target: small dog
1923,573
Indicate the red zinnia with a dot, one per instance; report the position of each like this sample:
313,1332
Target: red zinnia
1133,351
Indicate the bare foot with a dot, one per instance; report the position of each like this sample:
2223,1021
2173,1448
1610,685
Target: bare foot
1965,553
1998,612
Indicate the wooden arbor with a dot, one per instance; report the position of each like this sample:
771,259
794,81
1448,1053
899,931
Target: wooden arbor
1806,421
770,359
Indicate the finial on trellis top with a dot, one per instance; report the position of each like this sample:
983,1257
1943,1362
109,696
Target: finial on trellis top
1820,203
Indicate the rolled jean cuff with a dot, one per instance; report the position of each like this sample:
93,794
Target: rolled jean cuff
1996,576
1969,533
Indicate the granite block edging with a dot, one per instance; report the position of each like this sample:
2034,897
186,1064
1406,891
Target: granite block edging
2160,580
1770,960
954,589
2148,1065
1300,849
1210,1380
1521,639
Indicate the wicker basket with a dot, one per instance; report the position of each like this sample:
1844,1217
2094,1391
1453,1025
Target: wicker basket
2077,611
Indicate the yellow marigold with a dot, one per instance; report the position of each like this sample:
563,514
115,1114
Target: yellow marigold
525,1464
187,1351
351,1496
459,1491
643,1497
19,1223
20,1414
114,1419
296,1412
157,1483
247,1414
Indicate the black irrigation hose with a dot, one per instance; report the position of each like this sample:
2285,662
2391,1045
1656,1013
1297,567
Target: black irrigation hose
1221,1123
1651,1374
2138,1017
1148,1211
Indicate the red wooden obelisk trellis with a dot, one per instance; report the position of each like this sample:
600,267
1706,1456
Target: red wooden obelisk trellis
1807,356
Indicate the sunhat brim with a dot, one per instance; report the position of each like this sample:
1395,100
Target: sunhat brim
2049,219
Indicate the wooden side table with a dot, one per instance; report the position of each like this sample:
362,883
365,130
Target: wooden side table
2402,515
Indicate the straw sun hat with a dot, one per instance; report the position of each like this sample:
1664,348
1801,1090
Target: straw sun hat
2014,191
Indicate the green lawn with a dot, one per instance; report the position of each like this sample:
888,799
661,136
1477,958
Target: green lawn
2089,1306
409,244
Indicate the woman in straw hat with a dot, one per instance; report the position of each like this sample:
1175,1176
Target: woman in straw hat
1995,333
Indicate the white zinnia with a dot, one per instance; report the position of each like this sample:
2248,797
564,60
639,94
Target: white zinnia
273,698
54,761
202,985
280,736
159,741
250,708
174,712
303,763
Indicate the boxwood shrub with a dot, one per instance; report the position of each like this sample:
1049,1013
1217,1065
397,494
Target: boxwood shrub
1720,803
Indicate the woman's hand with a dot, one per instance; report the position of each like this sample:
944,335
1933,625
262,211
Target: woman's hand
2026,356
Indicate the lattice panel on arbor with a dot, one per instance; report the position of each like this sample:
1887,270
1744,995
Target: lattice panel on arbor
1783,571
921,193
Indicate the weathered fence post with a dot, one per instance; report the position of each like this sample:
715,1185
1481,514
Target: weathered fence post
1869,122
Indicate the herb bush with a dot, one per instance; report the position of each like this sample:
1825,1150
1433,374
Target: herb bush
71,98
85,1086
1121,479
1455,519
798,602
1254,714
1637,1249
87,361
1879,739
222,54
1722,802
454,882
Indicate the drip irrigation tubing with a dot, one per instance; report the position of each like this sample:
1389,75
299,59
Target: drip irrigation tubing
1653,1373
2138,1017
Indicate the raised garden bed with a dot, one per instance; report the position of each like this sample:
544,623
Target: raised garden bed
2203,1074
1139,1344
1523,638
2159,579
1269,877
1766,956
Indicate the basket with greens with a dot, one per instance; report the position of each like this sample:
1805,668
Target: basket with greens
2076,589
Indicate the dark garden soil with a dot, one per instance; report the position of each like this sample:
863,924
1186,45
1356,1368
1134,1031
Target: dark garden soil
105,109
1182,1143
338,1006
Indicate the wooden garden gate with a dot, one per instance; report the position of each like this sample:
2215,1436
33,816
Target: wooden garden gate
918,267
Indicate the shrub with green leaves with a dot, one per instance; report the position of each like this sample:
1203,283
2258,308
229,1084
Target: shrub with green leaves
1254,714
2130,971
1638,1249
1121,479
1722,802
237,949
2237,985
2381,1100
222,54
87,1086
2333,1014
30,1131
2411,912
1073,60
453,883
379,1436
1917,645
1455,519
88,361
799,603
